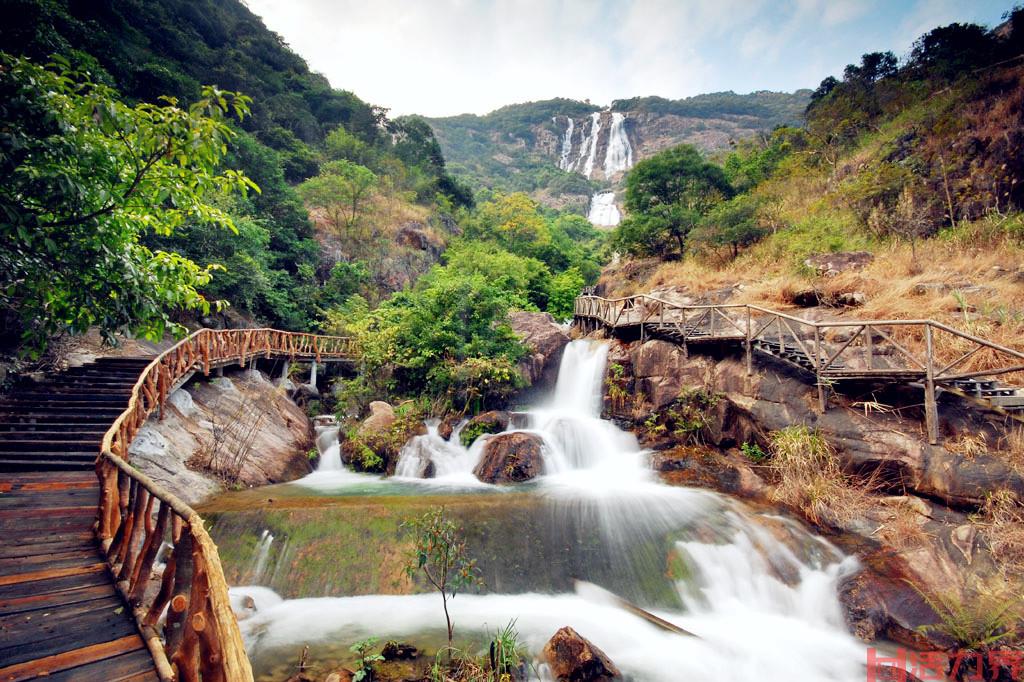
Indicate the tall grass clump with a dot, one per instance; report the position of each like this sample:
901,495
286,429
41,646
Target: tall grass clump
810,478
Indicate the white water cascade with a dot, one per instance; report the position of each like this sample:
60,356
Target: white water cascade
564,161
757,590
619,156
603,210
588,148
259,560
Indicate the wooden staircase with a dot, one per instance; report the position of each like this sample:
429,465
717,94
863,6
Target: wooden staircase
60,614
57,425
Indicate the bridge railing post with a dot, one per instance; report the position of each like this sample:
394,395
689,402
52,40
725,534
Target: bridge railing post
749,345
822,400
931,411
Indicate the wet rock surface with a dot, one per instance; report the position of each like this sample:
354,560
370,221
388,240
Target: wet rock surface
511,458
494,421
545,339
573,658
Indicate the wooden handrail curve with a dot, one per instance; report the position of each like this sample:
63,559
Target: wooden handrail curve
163,560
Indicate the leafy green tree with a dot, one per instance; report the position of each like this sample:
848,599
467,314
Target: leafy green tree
511,220
83,177
342,191
666,197
439,553
340,144
733,224
565,287
526,281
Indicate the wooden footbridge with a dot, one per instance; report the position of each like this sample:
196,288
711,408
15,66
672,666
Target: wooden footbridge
922,353
103,574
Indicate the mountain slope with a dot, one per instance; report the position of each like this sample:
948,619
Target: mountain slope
561,151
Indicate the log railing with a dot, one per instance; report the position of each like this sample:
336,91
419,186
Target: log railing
162,559
924,351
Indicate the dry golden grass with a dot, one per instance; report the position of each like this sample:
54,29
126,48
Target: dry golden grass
1002,521
902,525
970,445
969,280
1011,447
811,481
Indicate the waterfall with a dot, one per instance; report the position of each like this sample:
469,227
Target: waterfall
619,156
590,143
259,559
758,590
329,448
564,162
603,210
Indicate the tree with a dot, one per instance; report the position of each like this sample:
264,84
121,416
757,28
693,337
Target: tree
341,190
565,287
732,223
666,196
513,221
83,177
439,553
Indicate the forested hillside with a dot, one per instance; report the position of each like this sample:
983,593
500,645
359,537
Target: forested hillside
518,147
165,161
298,127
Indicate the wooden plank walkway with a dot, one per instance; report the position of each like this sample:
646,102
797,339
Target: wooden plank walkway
61,617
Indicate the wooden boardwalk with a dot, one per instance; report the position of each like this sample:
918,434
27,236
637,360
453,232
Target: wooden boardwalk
924,353
61,616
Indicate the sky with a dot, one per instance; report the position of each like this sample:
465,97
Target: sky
446,57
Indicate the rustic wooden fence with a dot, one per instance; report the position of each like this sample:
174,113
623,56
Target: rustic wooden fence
162,558
906,351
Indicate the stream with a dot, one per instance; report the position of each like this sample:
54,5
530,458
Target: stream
319,561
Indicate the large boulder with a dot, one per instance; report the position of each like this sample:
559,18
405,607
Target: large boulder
416,235
511,458
494,421
382,418
238,428
573,658
546,340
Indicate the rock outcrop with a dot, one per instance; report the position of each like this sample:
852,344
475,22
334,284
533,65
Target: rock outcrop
494,421
545,339
882,444
237,428
831,264
382,418
511,458
573,658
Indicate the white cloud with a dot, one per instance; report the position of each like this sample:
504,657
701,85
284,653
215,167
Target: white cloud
441,57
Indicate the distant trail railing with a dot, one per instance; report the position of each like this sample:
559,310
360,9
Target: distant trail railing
137,519
903,350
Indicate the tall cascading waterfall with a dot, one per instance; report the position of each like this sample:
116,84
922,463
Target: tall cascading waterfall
757,590
564,161
619,156
590,144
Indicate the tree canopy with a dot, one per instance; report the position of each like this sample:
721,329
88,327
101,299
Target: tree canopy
666,196
83,177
